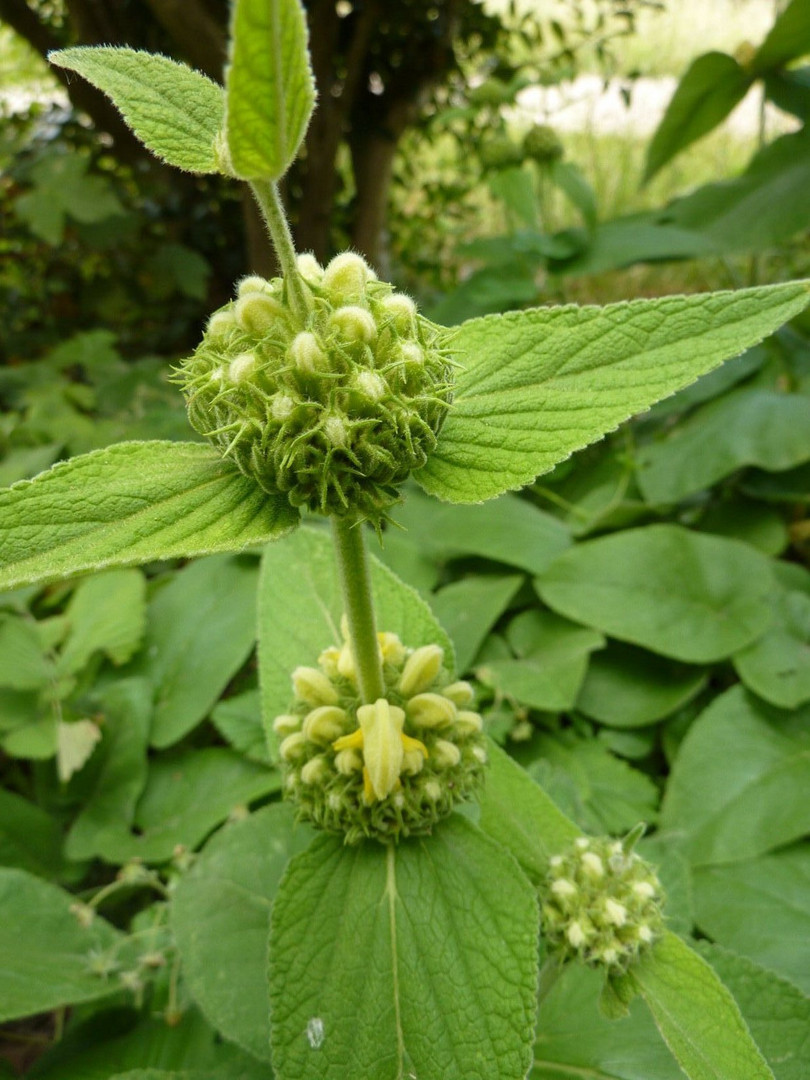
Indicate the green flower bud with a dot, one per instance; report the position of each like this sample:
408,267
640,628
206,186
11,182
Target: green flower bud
252,284
242,367
306,353
601,903
460,693
258,312
354,324
385,770
309,268
468,722
542,144
345,277
220,324
401,310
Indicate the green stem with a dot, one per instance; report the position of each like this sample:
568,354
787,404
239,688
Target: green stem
269,200
355,585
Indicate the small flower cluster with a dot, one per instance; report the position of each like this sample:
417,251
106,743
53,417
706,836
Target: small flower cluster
601,903
385,770
333,410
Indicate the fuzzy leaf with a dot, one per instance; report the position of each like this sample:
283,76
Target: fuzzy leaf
537,385
177,113
270,90
130,504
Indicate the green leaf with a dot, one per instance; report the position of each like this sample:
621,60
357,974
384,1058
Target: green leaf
575,1040
239,720
749,427
626,687
469,608
553,656
510,530
739,518
520,816
22,664
107,613
129,504
177,113
270,91
739,783
22,463
536,385
777,1013
685,595
45,954
789,38
777,665
760,908
63,189
220,914
30,838
711,87
201,630
300,605
420,958
696,1014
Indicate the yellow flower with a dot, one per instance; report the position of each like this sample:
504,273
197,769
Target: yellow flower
383,744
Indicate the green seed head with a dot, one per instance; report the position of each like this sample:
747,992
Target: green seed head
384,770
333,409
542,144
602,903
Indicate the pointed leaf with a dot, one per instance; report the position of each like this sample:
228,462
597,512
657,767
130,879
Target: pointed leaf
177,113
537,385
789,38
419,959
270,90
129,504
697,1015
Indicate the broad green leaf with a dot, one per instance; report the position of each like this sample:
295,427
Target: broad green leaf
30,838
239,720
777,665
760,908
636,238
129,504
22,463
510,530
696,1014
220,914
108,813
177,113
537,385
777,1013
420,958
300,607
627,687
575,1040
22,664
63,190
788,38
33,738
520,816
469,608
685,595
552,658
790,91
711,87
762,208
107,613
739,518
201,630
739,783
602,793
114,1041
46,956
749,427
270,91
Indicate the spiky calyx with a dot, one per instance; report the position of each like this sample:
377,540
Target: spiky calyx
602,903
385,770
333,409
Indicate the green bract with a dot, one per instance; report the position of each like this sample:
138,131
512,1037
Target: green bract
333,410
385,770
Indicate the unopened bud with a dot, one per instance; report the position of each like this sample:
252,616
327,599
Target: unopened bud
431,711
401,309
460,693
242,367
258,312
370,384
335,430
286,724
593,865
615,912
282,407
313,687
345,277
445,755
251,285
392,650
421,669
306,353
294,747
348,762
325,724
309,268
220,324
468,723
315,771
355,324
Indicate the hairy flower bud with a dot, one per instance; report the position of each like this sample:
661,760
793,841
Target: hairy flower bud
339,403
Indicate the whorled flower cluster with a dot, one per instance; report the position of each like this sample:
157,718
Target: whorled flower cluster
601,903
384,770
333,409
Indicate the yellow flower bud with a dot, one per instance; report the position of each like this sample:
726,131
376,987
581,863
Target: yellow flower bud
294,747
282,407
315,771
221,323
460,693
412,353
309,268
286,724
313,687
412,762
401,309
355,324
431,711
468,723
563,888
392,651
345,663
335,430
615,912
445,755
348,762
328,661
306,353
345,277
370,384
325,724
252,284
258,312
593,865
242,367
421,669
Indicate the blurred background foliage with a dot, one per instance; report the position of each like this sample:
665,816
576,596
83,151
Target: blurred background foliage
484,157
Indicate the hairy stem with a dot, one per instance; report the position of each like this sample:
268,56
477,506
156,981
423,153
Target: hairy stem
355,584
269,200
